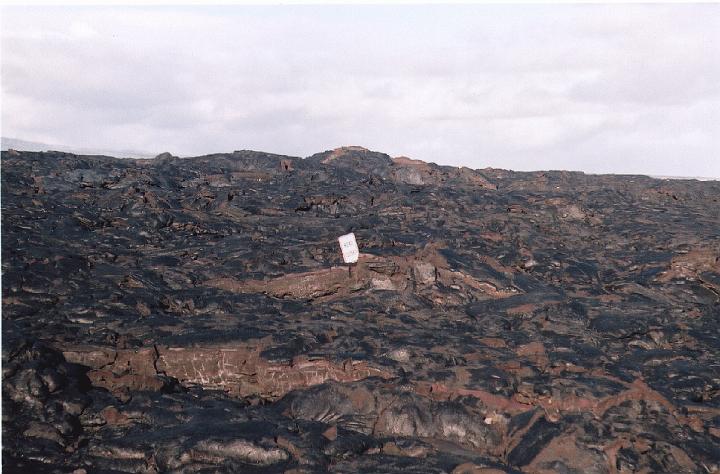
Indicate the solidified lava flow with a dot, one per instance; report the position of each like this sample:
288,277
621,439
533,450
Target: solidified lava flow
195,315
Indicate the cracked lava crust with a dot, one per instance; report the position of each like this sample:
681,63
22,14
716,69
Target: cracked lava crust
194,315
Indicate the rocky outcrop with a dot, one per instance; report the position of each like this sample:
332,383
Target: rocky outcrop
239,370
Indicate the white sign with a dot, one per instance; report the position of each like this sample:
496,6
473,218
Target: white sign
349,248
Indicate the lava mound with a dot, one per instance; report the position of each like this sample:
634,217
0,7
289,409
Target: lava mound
195,315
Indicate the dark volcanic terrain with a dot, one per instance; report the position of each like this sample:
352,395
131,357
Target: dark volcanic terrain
194,315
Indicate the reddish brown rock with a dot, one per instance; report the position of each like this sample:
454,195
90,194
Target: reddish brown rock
113,416
331,433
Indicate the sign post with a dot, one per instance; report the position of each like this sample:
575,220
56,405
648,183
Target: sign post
350,250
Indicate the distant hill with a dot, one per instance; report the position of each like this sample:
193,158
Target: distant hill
699,178
25,145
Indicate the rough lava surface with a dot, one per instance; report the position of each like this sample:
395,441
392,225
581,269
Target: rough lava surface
194,315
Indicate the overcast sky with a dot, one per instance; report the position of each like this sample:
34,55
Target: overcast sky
618,89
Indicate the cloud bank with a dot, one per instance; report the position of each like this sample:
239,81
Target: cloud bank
618,89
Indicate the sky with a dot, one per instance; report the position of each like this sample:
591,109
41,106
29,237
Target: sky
600,89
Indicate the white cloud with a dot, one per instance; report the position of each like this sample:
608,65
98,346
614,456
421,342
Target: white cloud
596,88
